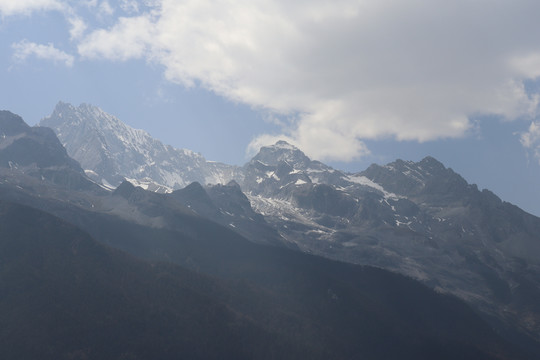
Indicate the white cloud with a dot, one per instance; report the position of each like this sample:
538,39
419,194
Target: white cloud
89,3
14,7
105,8
78,27
344,70
129,6
531,139
25,49
129,38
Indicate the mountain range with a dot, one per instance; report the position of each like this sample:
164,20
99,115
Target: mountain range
284,253
419,219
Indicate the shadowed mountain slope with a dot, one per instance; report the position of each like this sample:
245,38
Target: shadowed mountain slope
327,309
37,152
64,296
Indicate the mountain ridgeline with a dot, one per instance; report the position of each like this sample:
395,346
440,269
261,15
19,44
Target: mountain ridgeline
419,219
267,261
37,151
111,151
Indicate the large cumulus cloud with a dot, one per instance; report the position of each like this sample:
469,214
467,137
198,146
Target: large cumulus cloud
341,71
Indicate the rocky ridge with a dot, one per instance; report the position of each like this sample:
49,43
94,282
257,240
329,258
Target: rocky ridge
416,218
110,151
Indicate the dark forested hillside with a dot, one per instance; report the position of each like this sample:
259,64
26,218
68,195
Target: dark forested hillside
66,296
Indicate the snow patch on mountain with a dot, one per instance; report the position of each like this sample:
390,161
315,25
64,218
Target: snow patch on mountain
148,184
114,151
362,180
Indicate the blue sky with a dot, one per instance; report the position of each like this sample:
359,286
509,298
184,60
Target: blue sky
350,82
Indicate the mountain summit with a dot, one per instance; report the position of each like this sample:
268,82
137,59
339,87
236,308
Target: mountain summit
36,152
111,151
282,151
11,124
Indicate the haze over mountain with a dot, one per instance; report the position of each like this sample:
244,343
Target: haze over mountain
420,219
36,151
220,295
323,240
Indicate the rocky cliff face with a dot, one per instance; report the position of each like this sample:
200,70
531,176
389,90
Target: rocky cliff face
110,151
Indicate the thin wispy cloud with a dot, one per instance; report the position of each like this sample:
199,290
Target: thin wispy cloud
105,8
531,140
129,6
17,7
26,49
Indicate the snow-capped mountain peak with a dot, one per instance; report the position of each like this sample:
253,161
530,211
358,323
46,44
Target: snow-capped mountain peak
282,151
277,170
115,151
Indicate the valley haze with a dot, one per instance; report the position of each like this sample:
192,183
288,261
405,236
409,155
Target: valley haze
256,256
417,218
346,179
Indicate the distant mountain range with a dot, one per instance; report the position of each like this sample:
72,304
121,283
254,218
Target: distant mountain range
418,219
